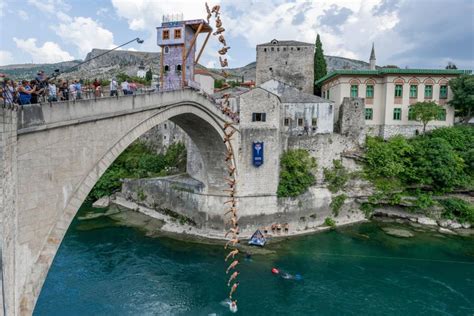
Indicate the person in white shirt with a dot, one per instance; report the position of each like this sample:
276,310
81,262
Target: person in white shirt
72,91
124,86
52,92
113,87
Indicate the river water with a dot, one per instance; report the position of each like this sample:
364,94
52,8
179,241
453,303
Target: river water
105,269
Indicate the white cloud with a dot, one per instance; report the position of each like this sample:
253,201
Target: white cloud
49,6
131,49
146,14
5,57
23,15
3,5
102,11
84,33
49,52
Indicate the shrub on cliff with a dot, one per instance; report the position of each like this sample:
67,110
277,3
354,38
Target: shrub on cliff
138,161
458,209
336,177
295,173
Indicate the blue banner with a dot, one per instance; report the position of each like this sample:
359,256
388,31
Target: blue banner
257,149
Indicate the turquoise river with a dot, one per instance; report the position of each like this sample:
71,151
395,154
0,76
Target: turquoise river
105,269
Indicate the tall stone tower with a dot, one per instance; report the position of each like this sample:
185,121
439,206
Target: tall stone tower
291,62
372,58
177,39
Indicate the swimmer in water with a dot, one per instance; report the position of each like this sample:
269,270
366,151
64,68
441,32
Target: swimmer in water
232,266
232,277
233,306
233,289
232,254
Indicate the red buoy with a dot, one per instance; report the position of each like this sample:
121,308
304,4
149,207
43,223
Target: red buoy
275,271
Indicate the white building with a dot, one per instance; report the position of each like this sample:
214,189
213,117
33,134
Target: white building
301,113
388,93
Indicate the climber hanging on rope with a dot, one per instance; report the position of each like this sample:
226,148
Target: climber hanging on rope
215,9
233,241
233,221
232,277
234,231
218,22
233,289
221,39
223,62
223,50
209,14
219,31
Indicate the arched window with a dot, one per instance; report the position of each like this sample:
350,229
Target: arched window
178,67
167,68
166,50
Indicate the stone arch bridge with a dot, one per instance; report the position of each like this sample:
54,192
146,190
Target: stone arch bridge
53,154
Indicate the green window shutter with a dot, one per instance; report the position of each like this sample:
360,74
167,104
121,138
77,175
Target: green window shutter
398,91
354,91
428,91
369,113
442,115
397,114
443,92
369,92
414,91
411,117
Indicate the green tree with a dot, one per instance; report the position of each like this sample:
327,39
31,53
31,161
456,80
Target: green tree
463,96
320,67
296,173
425,112
149,75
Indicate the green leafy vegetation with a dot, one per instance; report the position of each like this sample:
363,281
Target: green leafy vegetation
295,173
138,161
439,162
320,67
425,112
336,204
463,100
218,83
328,221
458,209
367,208
336,177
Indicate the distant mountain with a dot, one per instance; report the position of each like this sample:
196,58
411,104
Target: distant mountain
128,62
29,71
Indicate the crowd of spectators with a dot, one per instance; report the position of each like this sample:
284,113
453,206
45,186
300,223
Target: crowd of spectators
45,89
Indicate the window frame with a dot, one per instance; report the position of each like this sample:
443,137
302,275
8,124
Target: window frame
371,96
314,121
369,114
300,122
177,33
286,121
165,35
430,96
411,115
445,95
259,117
415,96
356,86
398,91
442,115
397,114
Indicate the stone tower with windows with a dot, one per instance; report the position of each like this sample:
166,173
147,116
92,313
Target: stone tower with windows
291,62
177,39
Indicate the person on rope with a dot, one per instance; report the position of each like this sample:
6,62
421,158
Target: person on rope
209,14
234,231
215,9
228,157
231,201
232,132
229,124
218,22
232,254
219,31
221,39
233,241
233,221
223,50
223,62
232,277
232,210
231,169
232,266
231,182
233,289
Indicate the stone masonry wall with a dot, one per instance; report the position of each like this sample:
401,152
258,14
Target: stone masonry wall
8,214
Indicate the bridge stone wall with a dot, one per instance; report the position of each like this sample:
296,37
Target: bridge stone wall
8,196
59,152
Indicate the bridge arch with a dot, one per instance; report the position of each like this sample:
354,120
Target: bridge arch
199,118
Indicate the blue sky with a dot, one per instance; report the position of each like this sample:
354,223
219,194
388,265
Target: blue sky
413,33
